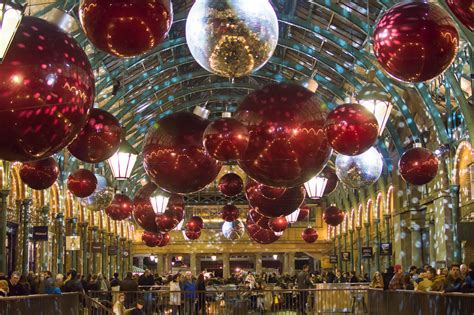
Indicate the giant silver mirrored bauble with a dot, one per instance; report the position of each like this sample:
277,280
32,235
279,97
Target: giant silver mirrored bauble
232,38
359,170
233,230
102,196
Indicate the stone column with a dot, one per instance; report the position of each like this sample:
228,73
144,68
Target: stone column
367,243
339,252
60,241
109,257
286,264
258,263
454,192
291,263
25,222
85,259
93,253
351,240
3,230
388,237
377,244
140,261
226,265
359,250
121,257
160,263
193,263
103,253
44,252
345,249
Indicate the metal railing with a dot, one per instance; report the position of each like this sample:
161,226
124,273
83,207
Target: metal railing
41,304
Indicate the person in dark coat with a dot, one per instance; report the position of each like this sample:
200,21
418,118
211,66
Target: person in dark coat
73,284
138,309
33,282
14,286
201,288
131,286
387,277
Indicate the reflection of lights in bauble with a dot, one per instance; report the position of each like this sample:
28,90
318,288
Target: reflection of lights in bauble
174,157
40,174
143,212
333,216
278,224
126,28
331,185
99,139
304,213
101,197
233,230
309,235
46,90
191,235
230,39
464,11
418,166
259,219
82,183
288,145
166,221
150,239
163,239
230,184
226,139
120,208
415,41
230,213
195,224
259,235
351,129
281,206
360,170
271,192
176,207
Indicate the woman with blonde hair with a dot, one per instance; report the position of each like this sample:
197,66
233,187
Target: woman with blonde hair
4,288
119,307
377,281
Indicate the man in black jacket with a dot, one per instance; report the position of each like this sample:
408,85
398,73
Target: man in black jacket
304,283
74,283
14,287
138,309
129,285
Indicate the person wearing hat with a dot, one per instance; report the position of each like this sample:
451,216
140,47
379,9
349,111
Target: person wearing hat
397,281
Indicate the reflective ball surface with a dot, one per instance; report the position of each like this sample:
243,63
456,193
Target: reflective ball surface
418,166
288,145
228,39
259,235
309,235
259,219
331,184
166,221
351,129
278,224
333,216
230,213
46,90
304,213
151,239
164,239
360,170
464,11
192,235
99,139
82,183
233,230
120,208
101,197
195,224
230,184
40,174
415,41
174,156
143,212
126,28
226,139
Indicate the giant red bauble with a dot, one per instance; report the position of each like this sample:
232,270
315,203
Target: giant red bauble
40,174
126,28
195,224
287,145
230,184
143,212
304,213
259,235
120,208
226,139
309,235
415,41
151,239
164,239
351,129
418,166
192,235
46,90
230,213
259,219
175,207
166,221
174,157
82,183
464,11
278,224
284,205
333,216
99,139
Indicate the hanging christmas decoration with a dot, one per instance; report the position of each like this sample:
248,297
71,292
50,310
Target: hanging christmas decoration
309,235
287,145
233,230
166,221
232,38
176,206
173,155
191,235
40,174
360,170
82,183
333,216
415,41
226,139
101,197
230,213
259,235
99,139
270,192
195,224
164,239
42,106
278,224
259,219
230,184
143,212
303,213
120,208
151,239
351,129
331,185
418,166
126,28
464,11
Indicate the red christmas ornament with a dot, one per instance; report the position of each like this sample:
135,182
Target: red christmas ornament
164,239
226,139
331,185
304,213
40,174
126,28
278,224
351,129
173,155
82,183
418,166
259,235
333,216
46,90
271,192
464,11
166,221
281,206
230,213
259,219
120,208
175,207
151,239
309,235
230,184
143,212
195,224
287,145
192,235
99,139
415,41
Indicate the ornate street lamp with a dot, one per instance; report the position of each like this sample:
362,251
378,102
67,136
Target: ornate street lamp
10,17
159,201
315,186
292,217
123,161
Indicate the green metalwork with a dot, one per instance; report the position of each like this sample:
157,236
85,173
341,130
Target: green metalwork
103,251
367,244
73,228
85,258
3,230
359,249
454,192
339,251
60,242
93,253
351,242
388,237
25,220
377,243
44,255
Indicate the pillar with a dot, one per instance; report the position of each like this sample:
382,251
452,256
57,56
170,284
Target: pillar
345,249
73,228
226,265
118,264
339,252
415,232
367,243
258,263
432,242
286,264
110,258
3,230
351,241
130,257
377,244
141,258
359,250
388,237
122,260
93,253
160,258
454,192
193,263
60,242
103,253
25,221
44,252
85,259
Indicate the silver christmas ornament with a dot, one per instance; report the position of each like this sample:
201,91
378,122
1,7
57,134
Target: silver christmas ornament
233,230
102,196
360,170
